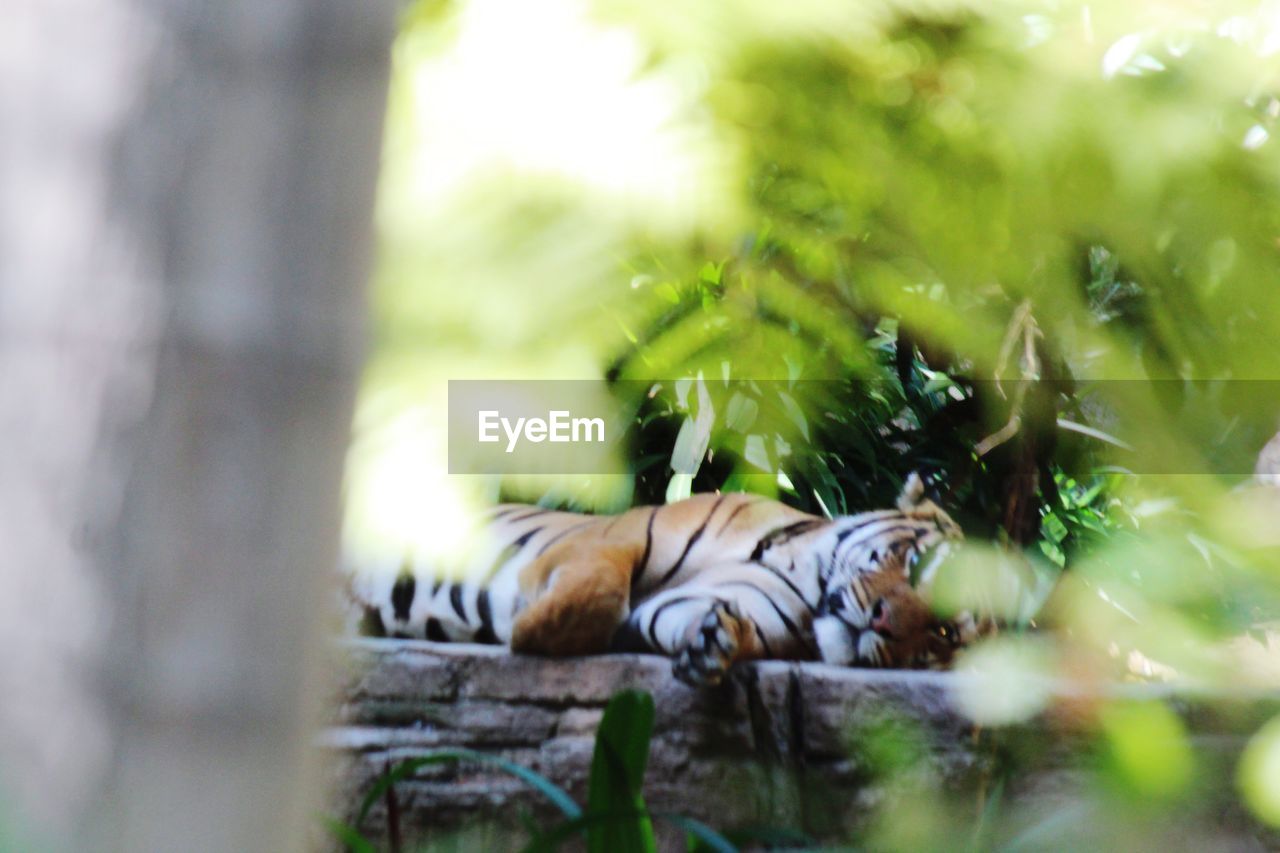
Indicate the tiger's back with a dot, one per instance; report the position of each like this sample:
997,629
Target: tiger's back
474,598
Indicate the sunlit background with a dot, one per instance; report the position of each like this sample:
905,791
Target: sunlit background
529,147
1029,248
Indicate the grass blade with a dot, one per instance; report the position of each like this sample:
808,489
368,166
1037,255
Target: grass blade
558,834
701,836
349,835
706,837
410,766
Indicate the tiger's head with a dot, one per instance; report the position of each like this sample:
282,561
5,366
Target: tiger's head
875,607
910,634
878,619
902,536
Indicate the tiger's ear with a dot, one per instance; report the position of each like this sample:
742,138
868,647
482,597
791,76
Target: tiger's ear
912,492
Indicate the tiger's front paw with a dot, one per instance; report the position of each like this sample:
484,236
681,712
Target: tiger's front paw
714,647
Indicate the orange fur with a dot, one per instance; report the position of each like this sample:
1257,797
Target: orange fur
577,595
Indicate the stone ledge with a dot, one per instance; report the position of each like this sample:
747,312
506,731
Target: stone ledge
779,744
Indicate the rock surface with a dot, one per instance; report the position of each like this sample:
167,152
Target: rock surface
804,747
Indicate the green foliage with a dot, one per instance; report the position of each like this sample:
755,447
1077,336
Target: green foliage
982,246
617,775
1083,520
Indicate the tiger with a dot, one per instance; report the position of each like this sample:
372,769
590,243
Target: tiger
707,581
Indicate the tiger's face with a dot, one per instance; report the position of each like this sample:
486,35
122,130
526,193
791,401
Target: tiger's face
912,634
879,619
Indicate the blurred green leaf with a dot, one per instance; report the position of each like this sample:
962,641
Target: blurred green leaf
1054,528
741,413
1258,775
1148,748
617,775
349,836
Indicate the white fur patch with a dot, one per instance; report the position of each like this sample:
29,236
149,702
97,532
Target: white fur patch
835,642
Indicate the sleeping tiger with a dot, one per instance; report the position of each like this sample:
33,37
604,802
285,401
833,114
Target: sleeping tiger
708,581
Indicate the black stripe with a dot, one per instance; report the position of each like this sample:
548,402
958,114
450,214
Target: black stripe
653,620
792,628
527,515
840,537
629,638
402,596
866,519
494,516
648,546
435,631
483,610
889,547
894,526
435,587
768,652
455,599
783,534
795,590
734,514
688,546
506,554
563,533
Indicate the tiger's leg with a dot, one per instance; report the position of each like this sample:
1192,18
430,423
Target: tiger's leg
704,628
576,597
724,637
